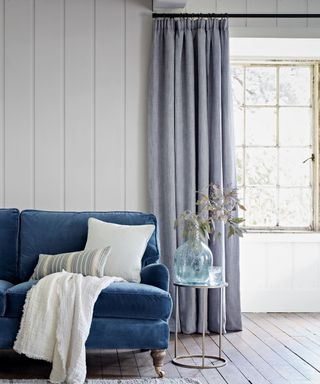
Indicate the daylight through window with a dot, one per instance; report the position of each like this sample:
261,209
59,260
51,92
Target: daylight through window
274,126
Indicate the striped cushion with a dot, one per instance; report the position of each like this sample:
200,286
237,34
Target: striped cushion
90,262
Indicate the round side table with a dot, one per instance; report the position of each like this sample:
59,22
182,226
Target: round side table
216,361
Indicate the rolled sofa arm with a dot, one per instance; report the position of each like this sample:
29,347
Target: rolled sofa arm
156,275
4,286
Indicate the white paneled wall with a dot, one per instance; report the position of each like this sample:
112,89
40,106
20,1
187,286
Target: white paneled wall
49,123
19,103
79,95
73,79
110,86
280,273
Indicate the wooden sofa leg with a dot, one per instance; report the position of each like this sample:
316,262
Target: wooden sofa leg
158,356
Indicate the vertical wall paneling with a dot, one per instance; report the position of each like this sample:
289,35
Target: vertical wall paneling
138,38
280,272
73,129
250,261
109,104
279,269
306,267
292,6
2,122
74,91
19,103
79,108
49,121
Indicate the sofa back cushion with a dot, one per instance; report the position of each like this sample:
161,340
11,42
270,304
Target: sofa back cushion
9,231
61,232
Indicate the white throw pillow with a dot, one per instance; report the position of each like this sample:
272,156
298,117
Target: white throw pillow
128,244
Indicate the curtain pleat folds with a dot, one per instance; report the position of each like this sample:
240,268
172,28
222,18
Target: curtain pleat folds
191,143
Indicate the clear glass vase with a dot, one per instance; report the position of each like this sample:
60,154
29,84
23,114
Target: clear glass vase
192,262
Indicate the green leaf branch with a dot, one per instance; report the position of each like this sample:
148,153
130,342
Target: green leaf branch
214,206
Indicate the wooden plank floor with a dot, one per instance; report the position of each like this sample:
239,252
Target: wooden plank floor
272,348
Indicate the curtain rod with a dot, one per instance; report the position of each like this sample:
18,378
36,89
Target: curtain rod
156,15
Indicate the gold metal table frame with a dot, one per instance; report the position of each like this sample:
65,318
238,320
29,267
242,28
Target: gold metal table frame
217,361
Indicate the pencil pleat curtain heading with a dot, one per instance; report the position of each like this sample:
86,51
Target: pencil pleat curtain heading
191,143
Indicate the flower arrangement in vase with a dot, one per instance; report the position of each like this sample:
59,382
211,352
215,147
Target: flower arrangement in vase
193,259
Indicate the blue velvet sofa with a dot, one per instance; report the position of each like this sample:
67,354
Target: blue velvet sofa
126,315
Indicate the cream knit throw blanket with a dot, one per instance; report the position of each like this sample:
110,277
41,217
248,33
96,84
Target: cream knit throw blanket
56,322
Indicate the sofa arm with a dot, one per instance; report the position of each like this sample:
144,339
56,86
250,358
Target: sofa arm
156,275
4,286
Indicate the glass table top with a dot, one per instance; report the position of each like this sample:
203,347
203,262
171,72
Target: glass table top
207,285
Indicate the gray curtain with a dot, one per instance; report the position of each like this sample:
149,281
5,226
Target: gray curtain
190,143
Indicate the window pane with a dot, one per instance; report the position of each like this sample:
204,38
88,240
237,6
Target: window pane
273,119
237,75
238,125
261,205
239,163
261,86
241,197
261,126
241,213
261,166
295,126
292,170
294,83
295,207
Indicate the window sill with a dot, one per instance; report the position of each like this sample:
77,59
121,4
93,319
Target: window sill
283,237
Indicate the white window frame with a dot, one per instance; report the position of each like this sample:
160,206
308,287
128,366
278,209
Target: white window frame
315,104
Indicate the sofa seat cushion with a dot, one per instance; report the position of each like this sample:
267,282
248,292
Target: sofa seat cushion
133,301
123,300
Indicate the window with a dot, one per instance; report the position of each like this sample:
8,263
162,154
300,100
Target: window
275,134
